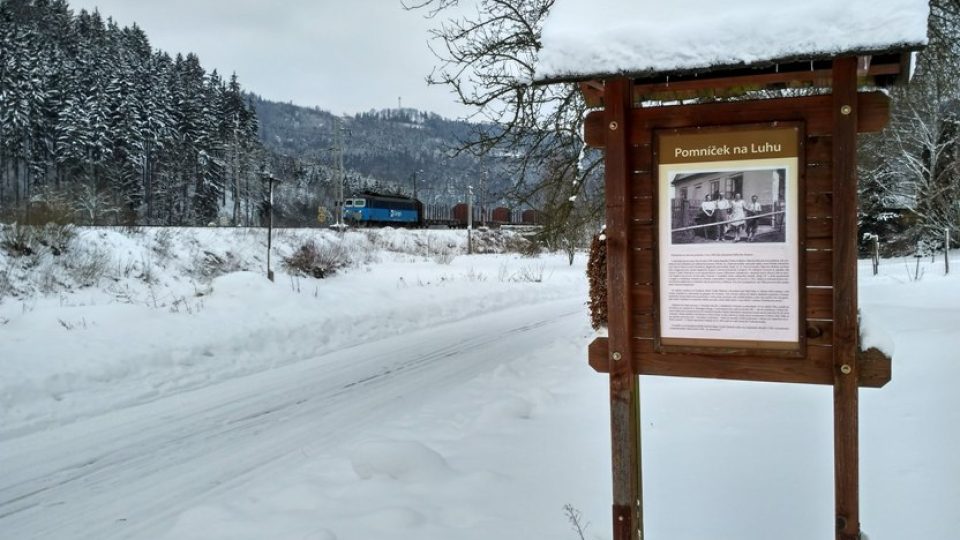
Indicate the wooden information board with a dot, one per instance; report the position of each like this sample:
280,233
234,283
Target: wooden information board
633,251
798,157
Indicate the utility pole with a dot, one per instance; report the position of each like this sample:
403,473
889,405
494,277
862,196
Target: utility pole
469,220
338,204
483,177
415,172
270,180
236,173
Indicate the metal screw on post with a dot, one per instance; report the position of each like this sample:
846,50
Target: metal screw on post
270,180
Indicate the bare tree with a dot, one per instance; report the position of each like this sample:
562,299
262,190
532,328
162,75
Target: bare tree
921,165
487,58
915,164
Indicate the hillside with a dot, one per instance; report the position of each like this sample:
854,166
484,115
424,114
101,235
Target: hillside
386,150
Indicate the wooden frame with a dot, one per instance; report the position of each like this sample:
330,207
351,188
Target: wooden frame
731,347
829,353
635,195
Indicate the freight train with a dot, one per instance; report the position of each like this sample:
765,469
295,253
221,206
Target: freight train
374,210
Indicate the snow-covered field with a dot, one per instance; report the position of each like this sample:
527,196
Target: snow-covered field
426,394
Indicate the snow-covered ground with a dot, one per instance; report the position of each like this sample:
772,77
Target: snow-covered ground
417,397
174,309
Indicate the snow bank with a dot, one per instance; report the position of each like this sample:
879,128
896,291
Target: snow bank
874,336
399,460
588,37
180,308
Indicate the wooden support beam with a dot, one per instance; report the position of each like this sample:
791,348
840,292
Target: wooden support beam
875,367
815,111
592,93
845,325
624,396
871,71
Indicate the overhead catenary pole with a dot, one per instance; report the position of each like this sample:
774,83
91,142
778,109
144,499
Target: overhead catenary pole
270,180
415,173
341,177
469,219
483,177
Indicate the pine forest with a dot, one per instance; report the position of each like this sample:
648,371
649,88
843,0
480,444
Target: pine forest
98,128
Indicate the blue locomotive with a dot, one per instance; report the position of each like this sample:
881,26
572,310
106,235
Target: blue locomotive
373,209
370,209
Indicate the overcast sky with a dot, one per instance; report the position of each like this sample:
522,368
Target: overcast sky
345,56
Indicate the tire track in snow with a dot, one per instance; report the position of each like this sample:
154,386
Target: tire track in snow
128,474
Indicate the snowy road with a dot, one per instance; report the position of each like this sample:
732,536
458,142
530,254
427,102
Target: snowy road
129,473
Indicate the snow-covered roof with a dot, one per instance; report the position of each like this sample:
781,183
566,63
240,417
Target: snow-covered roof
589,38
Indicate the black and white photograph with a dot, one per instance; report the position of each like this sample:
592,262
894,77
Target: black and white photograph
728,206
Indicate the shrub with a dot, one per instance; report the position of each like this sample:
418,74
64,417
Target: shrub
597,277
56,237
6,284
87,267
212,265
525,274
319,261
444,256
163,243
25,240
17,240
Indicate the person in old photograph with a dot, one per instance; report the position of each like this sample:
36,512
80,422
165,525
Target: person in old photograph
779,207
707,208
754,208
738,217
721,215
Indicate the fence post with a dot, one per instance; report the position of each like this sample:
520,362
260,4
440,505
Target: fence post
946,250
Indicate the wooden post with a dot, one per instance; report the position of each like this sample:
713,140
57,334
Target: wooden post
624,392
946,250
845,325
876,254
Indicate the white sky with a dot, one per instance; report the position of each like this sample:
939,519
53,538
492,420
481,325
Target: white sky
345,56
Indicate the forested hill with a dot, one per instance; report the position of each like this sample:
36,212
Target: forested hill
97,127
384,150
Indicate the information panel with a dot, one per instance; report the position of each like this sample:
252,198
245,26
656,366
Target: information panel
729,273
